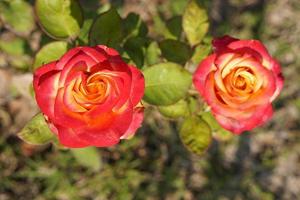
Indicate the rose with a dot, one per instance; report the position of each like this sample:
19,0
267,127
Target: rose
90,97
239,81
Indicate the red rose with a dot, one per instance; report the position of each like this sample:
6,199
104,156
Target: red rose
90,97
239,81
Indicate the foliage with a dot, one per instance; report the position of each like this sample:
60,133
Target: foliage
166,82
155,163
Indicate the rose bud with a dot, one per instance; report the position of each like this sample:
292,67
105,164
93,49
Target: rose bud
239,81
90,97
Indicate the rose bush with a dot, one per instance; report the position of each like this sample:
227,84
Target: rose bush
239,81
90,97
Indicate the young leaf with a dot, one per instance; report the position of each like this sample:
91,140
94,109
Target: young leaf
177,6
50,52
166,83
175,51
88,157
201,51
195,134
179,109
160,26
218,132
18,16
36,131
195,22
107,29
152,54
60,19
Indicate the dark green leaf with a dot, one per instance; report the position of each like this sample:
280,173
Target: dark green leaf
134,26
135,48
175,51
166,83
195,22
195,134
36,131
174,26
59,18
106,29
83,37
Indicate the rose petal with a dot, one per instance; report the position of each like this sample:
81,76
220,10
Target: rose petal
257,46
259,117
138,116
64,116
220,44
200,75
45,83
110,51
138,86
69,138
77,59
70,101
99,138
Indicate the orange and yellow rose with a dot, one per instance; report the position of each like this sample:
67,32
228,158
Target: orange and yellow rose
90,97
239,81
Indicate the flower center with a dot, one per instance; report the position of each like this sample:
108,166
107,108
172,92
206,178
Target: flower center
91,89
240,81
97,87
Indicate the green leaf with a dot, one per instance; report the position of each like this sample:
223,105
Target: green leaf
174,26
36,131
88,157
193,105
177,6
195,22
50,52
160,27
83,37
179,109
135,48
13,46
166,83
152,54
134,26
17,51
195,134
17,15
218,132
175,51
201,51
106,29
60,19
22,62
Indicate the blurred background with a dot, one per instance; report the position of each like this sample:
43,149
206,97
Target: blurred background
262,165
